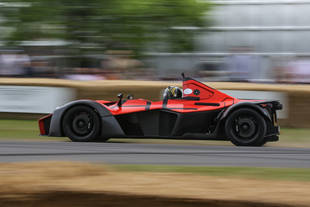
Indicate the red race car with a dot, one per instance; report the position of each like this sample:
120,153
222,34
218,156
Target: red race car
197,112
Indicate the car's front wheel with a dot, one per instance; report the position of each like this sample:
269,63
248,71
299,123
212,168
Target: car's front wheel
81,124
246,127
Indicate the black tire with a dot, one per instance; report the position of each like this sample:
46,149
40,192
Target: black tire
81,124
246,127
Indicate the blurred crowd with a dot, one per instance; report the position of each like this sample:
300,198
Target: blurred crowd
121,66
242,65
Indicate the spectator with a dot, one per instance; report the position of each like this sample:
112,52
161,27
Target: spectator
298,71
25,64
241,66
13,64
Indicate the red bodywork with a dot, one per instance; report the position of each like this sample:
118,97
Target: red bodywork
197,97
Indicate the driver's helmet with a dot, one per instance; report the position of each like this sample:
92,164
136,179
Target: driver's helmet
172,92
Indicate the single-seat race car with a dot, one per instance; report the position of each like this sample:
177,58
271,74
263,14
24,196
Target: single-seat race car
195,112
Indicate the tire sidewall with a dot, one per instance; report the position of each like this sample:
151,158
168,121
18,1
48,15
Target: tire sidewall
67,125
258,139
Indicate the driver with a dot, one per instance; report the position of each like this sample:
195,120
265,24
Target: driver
172,92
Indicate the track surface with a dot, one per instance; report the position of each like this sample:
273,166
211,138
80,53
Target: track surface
123,153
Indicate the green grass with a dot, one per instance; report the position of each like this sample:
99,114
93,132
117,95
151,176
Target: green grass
28,130
295,135
291,174
22,130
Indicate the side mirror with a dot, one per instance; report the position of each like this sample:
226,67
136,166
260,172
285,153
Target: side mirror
120,96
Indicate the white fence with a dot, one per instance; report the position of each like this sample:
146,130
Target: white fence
30,99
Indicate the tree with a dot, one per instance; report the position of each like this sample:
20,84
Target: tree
97,25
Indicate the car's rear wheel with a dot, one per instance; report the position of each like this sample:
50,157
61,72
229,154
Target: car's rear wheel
81,124
246,127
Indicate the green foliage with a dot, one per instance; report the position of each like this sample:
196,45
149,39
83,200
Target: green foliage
105,24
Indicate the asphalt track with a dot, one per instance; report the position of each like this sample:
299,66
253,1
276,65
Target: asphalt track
130,153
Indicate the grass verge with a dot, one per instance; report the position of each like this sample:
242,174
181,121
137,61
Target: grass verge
75,184
22,130
288,174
